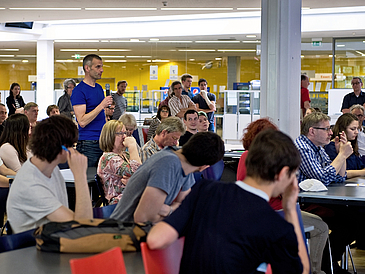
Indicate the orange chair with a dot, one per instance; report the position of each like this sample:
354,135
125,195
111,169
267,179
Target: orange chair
163,261
110,261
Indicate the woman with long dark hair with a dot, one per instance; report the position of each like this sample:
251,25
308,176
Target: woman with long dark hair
14,141
14,101
162,113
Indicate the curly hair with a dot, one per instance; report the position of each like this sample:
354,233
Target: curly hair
255,128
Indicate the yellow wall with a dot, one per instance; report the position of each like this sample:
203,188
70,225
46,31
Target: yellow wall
17,72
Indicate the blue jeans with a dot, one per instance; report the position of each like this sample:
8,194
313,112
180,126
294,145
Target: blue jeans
91,149
211,127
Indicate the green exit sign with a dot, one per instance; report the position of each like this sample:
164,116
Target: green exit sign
316,43
77,56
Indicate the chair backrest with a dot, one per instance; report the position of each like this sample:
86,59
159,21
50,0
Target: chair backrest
163,261
214,172
103,212
99,187
110,261
17,241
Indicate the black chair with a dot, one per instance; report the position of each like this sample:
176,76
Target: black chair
99,186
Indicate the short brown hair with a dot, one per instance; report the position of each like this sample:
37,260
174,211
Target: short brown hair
311,120
107,136
50,108
30,105
186,76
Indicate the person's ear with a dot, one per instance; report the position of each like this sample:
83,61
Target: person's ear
283,174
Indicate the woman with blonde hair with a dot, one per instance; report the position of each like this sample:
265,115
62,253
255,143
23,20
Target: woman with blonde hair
116,165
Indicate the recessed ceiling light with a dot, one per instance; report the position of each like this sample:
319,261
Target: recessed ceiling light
218,58
237,50
44,8
160,61
77,41
9,49
196,49
114,50
101,9
78,50
251,36
216,9
217,42
191,59
330,55
154,39
301,56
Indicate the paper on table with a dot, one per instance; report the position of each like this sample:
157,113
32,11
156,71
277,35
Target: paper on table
359,182
67,175
312,185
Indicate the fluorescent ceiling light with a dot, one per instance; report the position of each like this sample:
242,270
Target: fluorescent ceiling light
138,56
251,36
101,9
359,52
196,49
68,61
2,8
78,50
9,49
27,56
126,41
25,61
114,50
330,55
249,9
197,9
237,50
340,46
104,41
4,55
10,60
177,41
256,41
76,41
115,61
301,56
158,61
112,56
306,8
191,59
134,40
218,58
218,42
44,8
154,39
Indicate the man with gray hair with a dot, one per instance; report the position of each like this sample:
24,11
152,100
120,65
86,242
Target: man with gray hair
358,111
355,97
64,102
168,133
121,102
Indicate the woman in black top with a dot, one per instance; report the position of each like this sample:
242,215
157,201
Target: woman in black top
14,100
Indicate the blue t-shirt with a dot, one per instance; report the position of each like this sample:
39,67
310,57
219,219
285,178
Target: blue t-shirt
83,94
198,99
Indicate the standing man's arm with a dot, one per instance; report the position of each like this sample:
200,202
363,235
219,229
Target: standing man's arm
84,118
307,105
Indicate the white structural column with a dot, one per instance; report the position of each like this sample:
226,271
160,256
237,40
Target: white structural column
280,63
233,71
45,76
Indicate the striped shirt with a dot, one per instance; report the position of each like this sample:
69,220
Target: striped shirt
149,149
176,105
315,163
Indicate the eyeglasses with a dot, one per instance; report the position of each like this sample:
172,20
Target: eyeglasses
121,133
70,87
355,83
111,108
360,116
328,129
164,111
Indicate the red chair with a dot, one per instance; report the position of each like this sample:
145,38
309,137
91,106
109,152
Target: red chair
163,261
268,269
110,261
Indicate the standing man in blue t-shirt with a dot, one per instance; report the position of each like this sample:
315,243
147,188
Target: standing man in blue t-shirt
89,102
205,101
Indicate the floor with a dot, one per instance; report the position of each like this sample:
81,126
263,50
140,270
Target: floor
359,260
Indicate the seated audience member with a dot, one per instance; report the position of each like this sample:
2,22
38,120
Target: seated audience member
316,164
162,113
116,165
64,102
179,103
14,141
158,187
130,123
38,194
234,222
347,124
4,189
205,101
203,123
167,134
311,110
53,110
358,111
31,111
109,111
319,235
3,116
191,121
15,101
